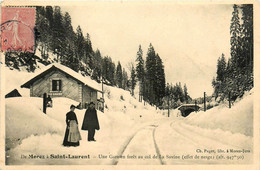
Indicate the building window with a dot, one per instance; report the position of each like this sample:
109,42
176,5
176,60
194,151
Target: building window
56,85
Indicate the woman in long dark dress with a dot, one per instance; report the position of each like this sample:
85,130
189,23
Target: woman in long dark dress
72,135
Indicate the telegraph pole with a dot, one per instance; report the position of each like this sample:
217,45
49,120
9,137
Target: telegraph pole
144,93
44,102
229,100
103,100
168,108
196,105
168,91
205,102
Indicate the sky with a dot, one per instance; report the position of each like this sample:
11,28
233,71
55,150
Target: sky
188,38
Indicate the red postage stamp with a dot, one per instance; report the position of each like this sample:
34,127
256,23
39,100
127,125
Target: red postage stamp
17,29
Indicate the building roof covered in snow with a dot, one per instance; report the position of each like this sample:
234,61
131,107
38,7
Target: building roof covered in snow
13,93
185,106
77,76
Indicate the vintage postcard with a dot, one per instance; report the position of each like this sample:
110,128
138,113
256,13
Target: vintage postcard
129,85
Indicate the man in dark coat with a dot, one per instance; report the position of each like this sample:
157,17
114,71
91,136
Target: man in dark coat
90,121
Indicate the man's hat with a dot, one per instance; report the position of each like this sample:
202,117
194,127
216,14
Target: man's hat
72,106
91,103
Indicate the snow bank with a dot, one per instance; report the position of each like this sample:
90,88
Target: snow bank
119,100
24,117
238,119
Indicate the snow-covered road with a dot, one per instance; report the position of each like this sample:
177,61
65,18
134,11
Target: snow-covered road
180,143
174,142
140,148
160,142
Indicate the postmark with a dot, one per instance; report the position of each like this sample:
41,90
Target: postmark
17,29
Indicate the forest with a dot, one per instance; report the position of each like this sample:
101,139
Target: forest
235,74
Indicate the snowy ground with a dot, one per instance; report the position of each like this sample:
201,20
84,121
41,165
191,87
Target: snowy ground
29,131
130,133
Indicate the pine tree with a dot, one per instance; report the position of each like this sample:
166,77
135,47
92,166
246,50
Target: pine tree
221,68
150,75
160,80
67,26
108,70
49,16
180,92
97,64
140,64
124,80
247,44
79,43
89,44
88,58
140,71
145,87
220,83
69,41
105,67
133,79
111,74
42,25
58,33
119,76
154,84
235,35
177,95
235,41
186,95
49,19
